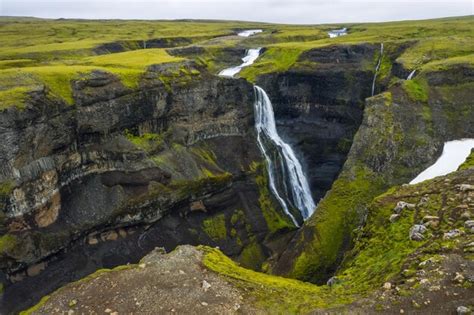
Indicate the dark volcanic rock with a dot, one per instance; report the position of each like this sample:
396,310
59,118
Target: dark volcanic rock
76,178
319,108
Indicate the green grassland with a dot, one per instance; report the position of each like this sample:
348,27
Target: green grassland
436,43
36,52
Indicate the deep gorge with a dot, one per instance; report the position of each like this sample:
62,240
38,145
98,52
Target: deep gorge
101,172
102,180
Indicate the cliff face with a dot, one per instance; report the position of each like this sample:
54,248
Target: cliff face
402,133
318,105
93,178
389,270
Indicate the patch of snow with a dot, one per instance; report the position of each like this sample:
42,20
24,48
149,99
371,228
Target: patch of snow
454,154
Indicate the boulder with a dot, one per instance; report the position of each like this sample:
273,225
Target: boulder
461,310
469,225
452,234
394,217
428,218
465,187
417,231
403,205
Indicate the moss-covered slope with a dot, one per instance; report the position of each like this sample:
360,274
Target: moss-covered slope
388,270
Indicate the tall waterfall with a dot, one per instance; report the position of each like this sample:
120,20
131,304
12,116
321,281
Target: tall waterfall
293,177
282,165
377,68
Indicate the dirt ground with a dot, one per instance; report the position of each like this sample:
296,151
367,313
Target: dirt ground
174,283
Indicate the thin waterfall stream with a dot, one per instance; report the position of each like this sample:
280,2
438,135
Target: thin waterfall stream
377,68
411,75
283,166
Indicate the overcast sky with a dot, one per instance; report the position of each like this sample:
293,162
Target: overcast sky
289,11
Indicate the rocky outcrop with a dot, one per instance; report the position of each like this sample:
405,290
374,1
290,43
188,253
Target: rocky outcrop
164,42
115,174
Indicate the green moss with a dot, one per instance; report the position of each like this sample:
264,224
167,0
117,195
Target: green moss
416,89
148,142
330,228
205,155
275,59
237,216
14,97
215,227
252,256
281,295
5,64
58,78
136,59
381,254
469,163
432,49
187,188
6,188
37,307
7,243
385,67
275,220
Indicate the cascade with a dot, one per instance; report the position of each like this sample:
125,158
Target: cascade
377,68
410,76
282,163
250,57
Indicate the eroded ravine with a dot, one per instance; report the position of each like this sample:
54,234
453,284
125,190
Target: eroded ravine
191,218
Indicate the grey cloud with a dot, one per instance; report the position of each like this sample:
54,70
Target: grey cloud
299,11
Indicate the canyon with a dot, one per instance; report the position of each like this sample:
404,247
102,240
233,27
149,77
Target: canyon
104,178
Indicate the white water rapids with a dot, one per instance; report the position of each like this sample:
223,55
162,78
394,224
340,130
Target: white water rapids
250,57
282,162
249,33
337,33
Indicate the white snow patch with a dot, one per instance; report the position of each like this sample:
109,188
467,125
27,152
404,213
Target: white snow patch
454,154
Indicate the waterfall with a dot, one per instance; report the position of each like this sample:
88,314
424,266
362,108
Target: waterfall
337,33
295,188
249,33
410,76
250,57
293,177
377,68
